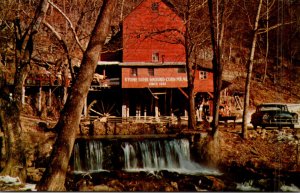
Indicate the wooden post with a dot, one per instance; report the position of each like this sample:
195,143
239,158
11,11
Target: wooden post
145,112
298,153
40,99
23,95
124,107
127,111
171,107
50,97
85,108
65,95
156,108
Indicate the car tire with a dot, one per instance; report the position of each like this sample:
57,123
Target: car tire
292,126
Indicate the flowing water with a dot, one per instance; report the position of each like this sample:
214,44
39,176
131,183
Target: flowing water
88,157
170,155
147,155
164,157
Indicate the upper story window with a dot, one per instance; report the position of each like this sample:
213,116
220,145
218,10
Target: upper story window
181,70
154,6
133,72
155,57
151,71
203,75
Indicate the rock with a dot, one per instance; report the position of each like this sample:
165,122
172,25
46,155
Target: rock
217,184
99,127
103,188
174,185
118,186
161,129
169,189
34,174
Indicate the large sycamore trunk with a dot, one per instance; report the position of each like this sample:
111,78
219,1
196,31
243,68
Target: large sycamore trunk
54,176
15,162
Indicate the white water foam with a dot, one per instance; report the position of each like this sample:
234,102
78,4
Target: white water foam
291,188
247,186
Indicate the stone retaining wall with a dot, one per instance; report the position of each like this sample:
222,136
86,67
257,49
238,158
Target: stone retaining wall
98,127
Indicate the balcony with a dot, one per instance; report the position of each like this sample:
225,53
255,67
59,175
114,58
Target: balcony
106,83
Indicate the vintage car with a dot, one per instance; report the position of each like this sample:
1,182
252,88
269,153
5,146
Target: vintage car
273,115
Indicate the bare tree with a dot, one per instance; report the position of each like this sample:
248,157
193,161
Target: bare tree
249,72
11,105
194,37
54,176
216,39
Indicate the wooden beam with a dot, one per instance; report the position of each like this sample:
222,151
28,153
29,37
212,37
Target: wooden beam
182,91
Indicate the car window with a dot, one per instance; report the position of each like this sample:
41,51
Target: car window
270,108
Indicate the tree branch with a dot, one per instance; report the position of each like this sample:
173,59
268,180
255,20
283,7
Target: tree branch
64,45
265,30
70,24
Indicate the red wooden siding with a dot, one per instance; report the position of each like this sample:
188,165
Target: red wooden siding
204,85
139,27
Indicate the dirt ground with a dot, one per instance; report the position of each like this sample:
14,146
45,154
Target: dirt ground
269,148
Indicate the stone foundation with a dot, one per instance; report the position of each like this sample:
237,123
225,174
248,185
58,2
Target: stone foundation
98,127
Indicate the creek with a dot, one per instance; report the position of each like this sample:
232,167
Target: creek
162,162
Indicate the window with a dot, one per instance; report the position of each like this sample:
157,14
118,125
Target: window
203,75
155,57
154,6
181,70
133,72
151,71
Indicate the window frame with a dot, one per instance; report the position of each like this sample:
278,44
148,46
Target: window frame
203,75
151,71
181,70
155,57
133,71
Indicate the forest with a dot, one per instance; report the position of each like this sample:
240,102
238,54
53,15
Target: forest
259,39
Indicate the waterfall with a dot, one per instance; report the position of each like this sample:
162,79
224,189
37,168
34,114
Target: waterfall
88,156
147,155
171,155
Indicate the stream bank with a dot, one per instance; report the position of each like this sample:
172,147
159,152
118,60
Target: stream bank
268,159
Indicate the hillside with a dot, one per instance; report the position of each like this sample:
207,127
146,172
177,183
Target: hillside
285,90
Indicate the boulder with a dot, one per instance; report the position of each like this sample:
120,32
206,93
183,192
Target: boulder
217,184
103,188
99,127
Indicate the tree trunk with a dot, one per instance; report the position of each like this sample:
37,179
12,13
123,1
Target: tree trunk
15,161
217,65
54,176
267,45
191,104
11,107
190,71
249,73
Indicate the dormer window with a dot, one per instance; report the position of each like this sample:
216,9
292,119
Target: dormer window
154,6
203,75
155,57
